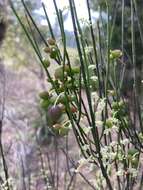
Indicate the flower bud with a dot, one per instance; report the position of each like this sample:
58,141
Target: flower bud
51,41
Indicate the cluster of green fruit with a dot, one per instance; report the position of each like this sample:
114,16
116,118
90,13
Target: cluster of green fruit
65,74
119,109
65,79
52,49
118,113
56,115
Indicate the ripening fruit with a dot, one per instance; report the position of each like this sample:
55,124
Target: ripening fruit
73,109
54,52
47,49
44,95
46,62
51,41
54,113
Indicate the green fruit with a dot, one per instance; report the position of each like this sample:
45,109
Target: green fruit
72,71
46,62
109,123
44,95
115,54
54,52
45,104
59,74
67,68
94,82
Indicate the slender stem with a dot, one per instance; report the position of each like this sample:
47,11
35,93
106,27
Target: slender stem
137,106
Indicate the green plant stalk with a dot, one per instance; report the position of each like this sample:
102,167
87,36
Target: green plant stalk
80,140
85,78
138,21
35,25
94,129
137,106
114,20
82,43
33,45
52,33
33,36
65,53
122,47
94,48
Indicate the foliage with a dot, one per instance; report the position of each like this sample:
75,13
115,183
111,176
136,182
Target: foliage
88,98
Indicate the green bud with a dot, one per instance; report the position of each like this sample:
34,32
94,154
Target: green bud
44,95
51,41
115,54
109,123
45,103
54,52
46,62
